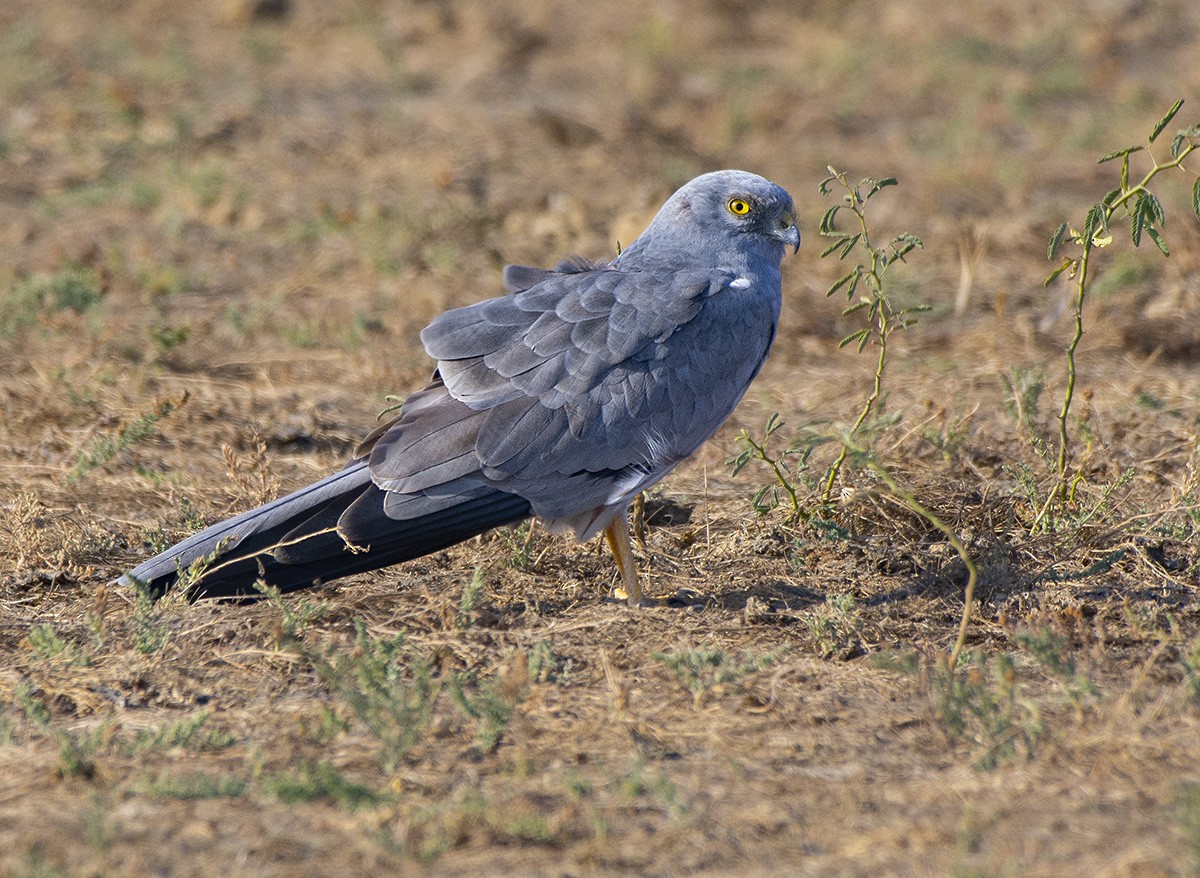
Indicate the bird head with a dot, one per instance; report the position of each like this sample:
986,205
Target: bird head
717,211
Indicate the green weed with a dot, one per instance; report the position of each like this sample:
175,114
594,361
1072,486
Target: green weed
329,725
983,703
837,626
76,748
187,734
789,466
47,644
472,595
73,289
1132,201
149,630
639,783
1190,659
1187,820
389,689
492,703
546,666
1024,387
703,669
196,785
99,824
167,338
320,780
108,445
870,279
35,866
294,615
520,544
1052,652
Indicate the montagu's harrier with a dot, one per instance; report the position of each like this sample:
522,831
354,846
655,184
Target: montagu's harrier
564,399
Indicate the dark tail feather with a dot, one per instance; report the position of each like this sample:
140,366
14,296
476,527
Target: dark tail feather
314,548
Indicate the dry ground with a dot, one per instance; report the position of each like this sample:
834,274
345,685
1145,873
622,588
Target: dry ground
223,224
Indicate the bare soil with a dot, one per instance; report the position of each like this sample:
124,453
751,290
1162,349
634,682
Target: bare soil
222,226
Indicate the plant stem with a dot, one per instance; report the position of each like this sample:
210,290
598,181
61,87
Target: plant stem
1060,492
781,475
915,505
883,329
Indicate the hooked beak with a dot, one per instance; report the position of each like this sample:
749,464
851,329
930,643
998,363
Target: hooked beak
787,231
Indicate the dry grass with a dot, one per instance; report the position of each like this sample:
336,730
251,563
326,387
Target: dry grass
223,230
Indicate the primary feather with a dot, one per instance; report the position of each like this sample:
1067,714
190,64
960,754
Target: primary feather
564,399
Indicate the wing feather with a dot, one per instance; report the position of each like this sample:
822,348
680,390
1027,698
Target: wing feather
573,387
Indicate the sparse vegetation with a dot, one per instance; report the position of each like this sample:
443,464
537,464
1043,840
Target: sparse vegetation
227,211
388,688
491,702
836,626
196,786
319,781
72,289
703,670
107,446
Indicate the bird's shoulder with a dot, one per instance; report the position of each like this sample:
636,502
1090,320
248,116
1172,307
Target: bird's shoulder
518,278
641,302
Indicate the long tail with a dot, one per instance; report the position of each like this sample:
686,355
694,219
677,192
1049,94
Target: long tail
332,528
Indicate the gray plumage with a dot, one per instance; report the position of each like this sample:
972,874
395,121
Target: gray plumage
564,399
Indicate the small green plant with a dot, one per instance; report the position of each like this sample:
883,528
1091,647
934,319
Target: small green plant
520,544
702,669
390,690
74,289
98,822
472,595
638,783
166,338
207,182
983,703
320,780
1024,387
492,703
1052,652
196,785
76,748
329,725
868,279
189,734
47,644
1190,659
789,467
35,866
149,629
33,709
547,666
294,615
836,626
1130,200
7,730
868,292
106,446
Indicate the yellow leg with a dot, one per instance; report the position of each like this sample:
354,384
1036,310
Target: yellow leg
617,534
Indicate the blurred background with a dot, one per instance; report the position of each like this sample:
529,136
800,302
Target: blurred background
261,202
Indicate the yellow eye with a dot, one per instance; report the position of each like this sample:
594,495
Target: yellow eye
738,206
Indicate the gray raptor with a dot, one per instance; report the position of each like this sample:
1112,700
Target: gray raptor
564,399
